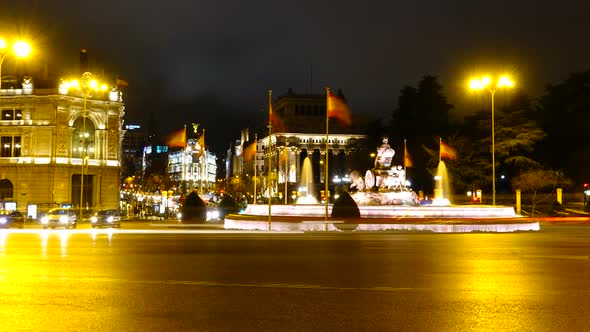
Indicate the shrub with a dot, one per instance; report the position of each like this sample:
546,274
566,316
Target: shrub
227,205
345,206
194,209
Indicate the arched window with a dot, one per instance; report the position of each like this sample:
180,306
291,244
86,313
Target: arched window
5,189
83,144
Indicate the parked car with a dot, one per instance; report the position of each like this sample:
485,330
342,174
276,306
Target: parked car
12,219
106,218
60,217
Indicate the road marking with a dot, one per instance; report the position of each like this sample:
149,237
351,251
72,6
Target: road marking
387,289
140,231
574,257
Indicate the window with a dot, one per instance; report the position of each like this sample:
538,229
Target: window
10,146
83,138
12,114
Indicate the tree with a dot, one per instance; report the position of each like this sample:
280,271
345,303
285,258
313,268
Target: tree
565,114
540,181
517,134
421,117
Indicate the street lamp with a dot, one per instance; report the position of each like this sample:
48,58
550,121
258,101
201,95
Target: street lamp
20,49
486,83
87,84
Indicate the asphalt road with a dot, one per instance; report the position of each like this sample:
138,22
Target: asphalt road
130,280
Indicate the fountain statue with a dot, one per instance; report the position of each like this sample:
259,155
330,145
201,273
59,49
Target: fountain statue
384,184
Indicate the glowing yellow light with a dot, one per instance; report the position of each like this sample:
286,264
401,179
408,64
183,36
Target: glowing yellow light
475,84
2,44
93,84
485,81
104,87
505,82
21,48
74,84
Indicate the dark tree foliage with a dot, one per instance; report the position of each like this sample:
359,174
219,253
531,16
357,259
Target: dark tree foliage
565,117
227,205
345,206
194,209
516,136
421,117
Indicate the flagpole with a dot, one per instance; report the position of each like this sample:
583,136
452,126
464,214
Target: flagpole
405,152
255,148
439,149
286,175
326,192
269,158
184,170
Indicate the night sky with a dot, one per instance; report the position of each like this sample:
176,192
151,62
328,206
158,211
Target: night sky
209,61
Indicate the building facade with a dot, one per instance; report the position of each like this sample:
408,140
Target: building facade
193,168
60,146
303,136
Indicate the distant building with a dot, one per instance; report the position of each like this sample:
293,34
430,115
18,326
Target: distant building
304,135
46,133
134,142
193,167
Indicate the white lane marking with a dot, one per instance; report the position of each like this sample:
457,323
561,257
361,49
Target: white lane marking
292,286
575,257
140,231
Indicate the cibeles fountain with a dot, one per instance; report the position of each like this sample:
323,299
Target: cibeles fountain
384,185
385,201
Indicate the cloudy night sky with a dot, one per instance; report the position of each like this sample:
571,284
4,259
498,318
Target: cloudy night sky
211,61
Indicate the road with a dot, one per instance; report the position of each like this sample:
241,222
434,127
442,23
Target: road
135,280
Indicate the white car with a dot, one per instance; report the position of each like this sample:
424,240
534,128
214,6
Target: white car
60,217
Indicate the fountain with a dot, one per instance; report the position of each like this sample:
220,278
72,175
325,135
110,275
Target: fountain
306,184
442,190
385,202
384,184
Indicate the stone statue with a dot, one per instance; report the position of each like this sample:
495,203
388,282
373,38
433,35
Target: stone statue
384,155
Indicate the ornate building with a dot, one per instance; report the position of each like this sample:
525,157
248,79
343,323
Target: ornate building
303,135
52,138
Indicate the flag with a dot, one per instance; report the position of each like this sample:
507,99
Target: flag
275,121
338,109
407,157
250,151
121,83
447,152
284,155
177,139
201,142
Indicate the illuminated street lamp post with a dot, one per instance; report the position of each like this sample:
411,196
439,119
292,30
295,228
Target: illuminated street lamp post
86,85
485,83
20,49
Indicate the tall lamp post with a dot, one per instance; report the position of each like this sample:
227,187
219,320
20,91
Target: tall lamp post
20,49
486,83
87,84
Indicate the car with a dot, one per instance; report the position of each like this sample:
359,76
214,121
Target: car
60,217
12,219
106,218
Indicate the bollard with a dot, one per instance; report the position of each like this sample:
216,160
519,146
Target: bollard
517,201
559,196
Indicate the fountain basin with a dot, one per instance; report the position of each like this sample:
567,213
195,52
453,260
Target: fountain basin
436,225
389,211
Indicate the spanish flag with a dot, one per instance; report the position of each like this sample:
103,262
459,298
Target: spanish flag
447,152
407,157
250,151
338,109
177,139
275,121
201,143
